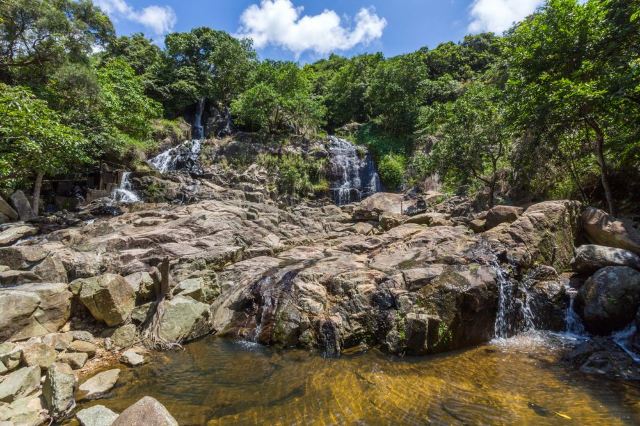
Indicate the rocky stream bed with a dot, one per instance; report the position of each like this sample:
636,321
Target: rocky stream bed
315,313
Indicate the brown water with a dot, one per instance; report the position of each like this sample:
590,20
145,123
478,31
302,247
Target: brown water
216,381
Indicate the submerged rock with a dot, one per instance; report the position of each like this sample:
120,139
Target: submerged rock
98,385
147,411
184,319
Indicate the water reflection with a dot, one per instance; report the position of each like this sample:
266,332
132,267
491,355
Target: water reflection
215,381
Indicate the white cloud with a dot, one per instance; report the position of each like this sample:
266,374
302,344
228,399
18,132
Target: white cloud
280,23
499,15
160,19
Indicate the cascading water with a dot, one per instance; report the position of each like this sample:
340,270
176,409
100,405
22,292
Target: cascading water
514,314
573,324
182,157
197,127
124,193
623,340
353,177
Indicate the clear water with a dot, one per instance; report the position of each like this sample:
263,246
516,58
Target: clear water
519,381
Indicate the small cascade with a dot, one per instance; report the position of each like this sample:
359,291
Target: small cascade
353,177
182,157
623,340
124,193
514,313
573,323
197,129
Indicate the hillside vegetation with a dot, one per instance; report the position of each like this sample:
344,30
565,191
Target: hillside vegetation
550,109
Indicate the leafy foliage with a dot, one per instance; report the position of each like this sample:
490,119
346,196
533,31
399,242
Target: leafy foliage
33,138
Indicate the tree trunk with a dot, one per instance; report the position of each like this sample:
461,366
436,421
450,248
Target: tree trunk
37,188
604,172
164,281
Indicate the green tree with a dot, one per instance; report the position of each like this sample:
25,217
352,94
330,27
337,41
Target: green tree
205,64
562,80
473,137
38,36
394,92
33,141
125,110
280,101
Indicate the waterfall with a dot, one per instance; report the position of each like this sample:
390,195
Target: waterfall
124,193
353,177
514,314
182,157
197,129
573,324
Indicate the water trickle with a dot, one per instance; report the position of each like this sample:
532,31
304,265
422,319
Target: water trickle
182,157
197,127
573,323
124,193
353,177
514,312
623,340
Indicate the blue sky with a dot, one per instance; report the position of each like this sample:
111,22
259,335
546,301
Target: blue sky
307,30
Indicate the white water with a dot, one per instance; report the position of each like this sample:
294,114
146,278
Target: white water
124,193
573,323
623,340
514,315
354,178
177,157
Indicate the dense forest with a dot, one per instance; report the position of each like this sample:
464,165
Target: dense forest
550,109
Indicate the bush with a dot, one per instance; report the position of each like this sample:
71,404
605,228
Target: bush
392,169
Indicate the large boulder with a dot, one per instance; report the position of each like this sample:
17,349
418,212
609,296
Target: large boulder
610,299
146,412
590,258
544,234
58,389
7,210
371,208
22,206
19,384
502,214
108,297
465,299
183,319
32,310
606,230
